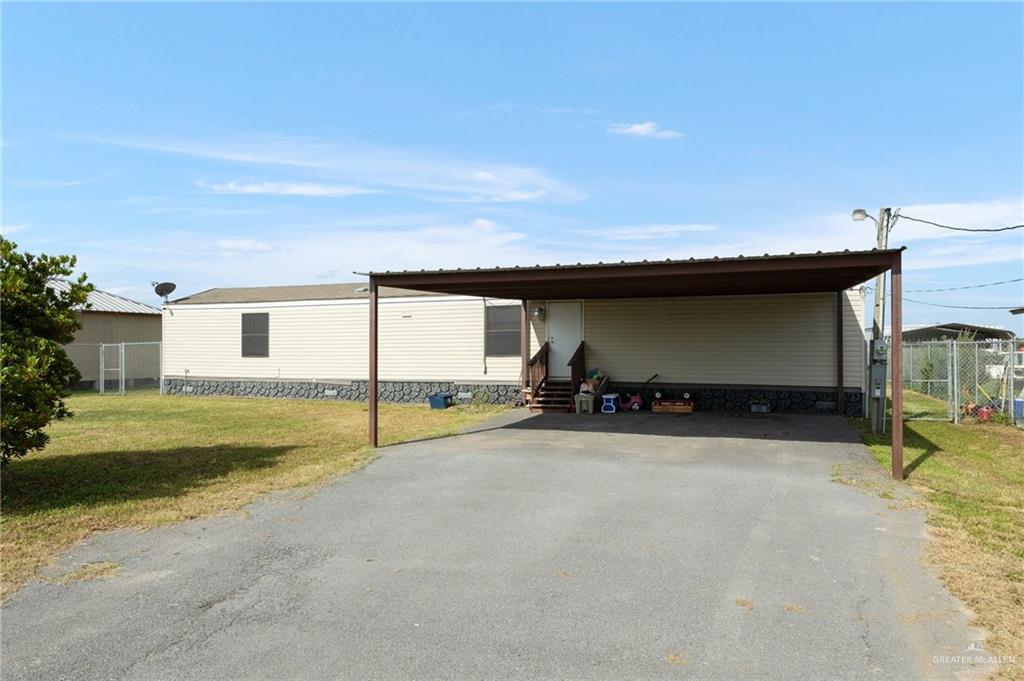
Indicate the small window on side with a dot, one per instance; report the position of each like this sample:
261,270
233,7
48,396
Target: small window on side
255,334
502,327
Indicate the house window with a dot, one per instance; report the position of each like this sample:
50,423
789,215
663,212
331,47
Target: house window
256,334
501,330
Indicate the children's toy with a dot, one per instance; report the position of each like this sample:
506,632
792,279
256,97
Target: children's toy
634,401
609,403
683,406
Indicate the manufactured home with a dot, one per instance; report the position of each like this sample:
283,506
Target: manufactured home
312,342
794,349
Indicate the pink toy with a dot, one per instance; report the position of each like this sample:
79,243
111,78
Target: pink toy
635,401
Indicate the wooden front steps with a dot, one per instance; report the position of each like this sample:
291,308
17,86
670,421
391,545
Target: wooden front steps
554,395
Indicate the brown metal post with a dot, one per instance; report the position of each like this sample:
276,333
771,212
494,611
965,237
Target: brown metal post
896,298
840,392
372,388
524,345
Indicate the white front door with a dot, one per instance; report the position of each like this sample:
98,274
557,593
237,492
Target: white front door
565,331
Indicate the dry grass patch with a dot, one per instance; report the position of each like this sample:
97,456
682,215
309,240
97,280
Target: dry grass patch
145,460
100,570
971,477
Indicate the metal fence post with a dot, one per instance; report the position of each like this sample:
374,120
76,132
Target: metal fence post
120,370
1010,383
954,403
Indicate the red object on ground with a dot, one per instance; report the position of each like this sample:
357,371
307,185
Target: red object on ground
984,414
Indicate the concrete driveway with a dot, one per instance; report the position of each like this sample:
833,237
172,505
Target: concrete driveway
560,547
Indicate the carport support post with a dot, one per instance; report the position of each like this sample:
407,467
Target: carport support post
840,393
524,347
372,387
896,298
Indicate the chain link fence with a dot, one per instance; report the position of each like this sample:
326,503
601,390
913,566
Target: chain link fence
952,379
116,368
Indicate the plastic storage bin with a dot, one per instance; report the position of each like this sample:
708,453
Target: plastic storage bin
439,400
584,404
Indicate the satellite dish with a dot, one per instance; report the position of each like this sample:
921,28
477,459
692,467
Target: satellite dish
164,289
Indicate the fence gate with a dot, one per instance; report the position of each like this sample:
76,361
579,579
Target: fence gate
949,379
111,368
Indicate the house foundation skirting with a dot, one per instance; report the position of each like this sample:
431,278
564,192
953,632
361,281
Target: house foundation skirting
390,391
736,398
705,398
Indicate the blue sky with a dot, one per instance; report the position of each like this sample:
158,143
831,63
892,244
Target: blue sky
229,145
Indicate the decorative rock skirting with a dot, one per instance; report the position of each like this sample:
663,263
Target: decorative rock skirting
799,400
389,391
791,400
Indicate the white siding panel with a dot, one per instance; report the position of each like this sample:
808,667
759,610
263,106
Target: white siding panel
784,340
738,340
420,339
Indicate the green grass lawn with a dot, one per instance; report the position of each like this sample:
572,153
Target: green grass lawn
144,460
919,405
971,477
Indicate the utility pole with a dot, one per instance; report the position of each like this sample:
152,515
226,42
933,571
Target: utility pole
882,241
878,327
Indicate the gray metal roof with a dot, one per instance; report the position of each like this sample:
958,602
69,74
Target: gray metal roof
954,329
281,294
102,301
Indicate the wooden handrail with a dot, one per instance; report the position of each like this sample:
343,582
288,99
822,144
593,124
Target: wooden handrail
541,354
538,369
578,367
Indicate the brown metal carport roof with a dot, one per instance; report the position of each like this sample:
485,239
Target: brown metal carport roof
793,273
742,275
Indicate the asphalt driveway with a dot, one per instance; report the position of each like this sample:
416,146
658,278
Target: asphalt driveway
634,546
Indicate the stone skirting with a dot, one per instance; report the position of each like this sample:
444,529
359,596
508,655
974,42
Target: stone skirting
782,399
798,400
390,391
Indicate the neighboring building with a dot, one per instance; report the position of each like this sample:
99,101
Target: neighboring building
313,341
109,320
955,330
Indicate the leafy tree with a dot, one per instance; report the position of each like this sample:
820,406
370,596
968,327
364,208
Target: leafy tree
35,320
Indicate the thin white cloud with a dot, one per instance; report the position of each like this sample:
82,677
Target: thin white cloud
645,129
61,184
7,230
312,189
654,231
429,176
238,246
928,247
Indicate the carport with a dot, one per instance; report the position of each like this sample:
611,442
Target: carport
767,275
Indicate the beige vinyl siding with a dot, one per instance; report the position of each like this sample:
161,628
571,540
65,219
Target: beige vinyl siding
115,327
112,327
428,339
779,340
771,340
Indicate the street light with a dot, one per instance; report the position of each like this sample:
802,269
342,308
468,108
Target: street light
859,215
882,226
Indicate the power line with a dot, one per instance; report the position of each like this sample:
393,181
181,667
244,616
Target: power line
962,229
963,288
958,288
959,307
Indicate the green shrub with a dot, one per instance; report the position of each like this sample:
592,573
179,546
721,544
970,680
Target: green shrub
35,372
